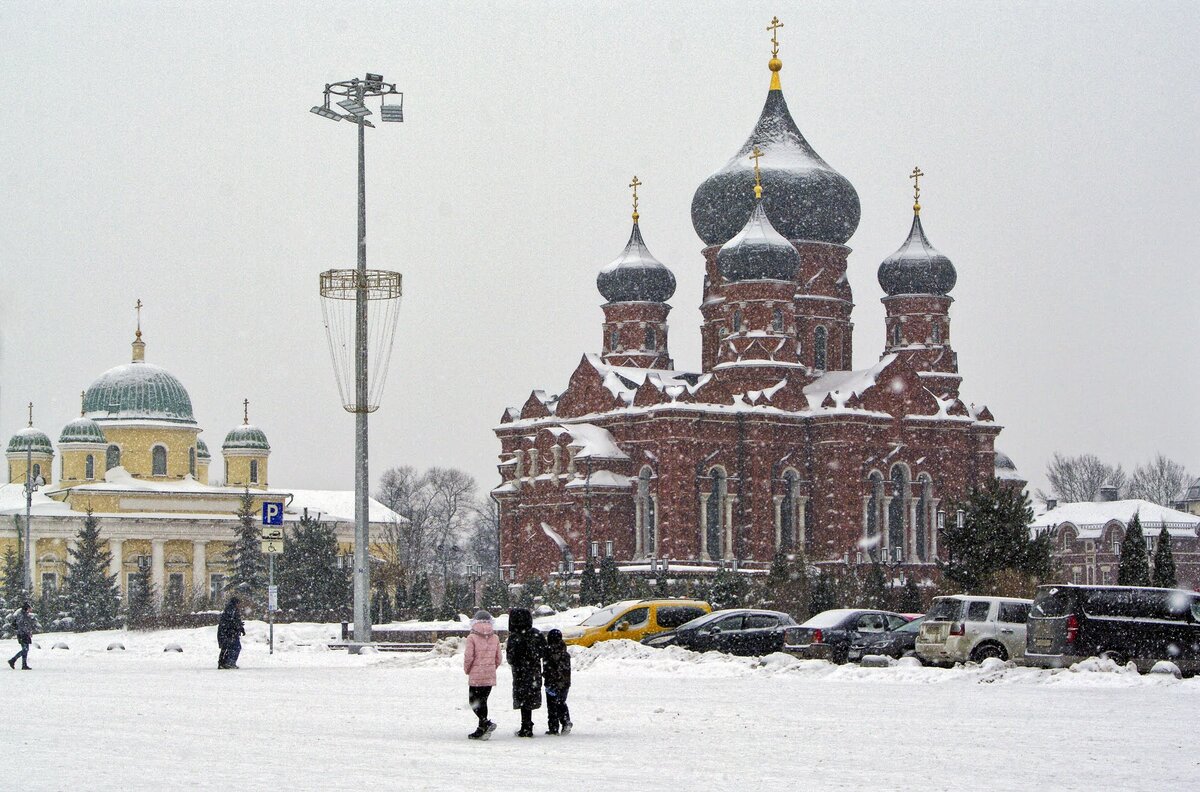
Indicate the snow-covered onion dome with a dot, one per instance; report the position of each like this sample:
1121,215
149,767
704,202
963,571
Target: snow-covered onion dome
758,252
636,275
30,439
202,450
805,198
138,391
1006,469
246,438
917,267
82,430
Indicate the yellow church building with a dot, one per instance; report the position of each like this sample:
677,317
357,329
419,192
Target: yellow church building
135,458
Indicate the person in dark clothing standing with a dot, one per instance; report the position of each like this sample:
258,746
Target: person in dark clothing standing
557,670
525,649
229,634
25,624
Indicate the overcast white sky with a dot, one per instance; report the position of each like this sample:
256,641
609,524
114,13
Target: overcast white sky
165,151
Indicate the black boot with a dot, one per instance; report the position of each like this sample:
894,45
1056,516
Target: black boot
478,733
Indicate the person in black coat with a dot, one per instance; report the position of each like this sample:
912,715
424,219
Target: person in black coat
557,669
525,649
229,634
24,624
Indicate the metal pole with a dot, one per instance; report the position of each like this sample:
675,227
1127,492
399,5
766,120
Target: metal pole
28,559
270,610
362,571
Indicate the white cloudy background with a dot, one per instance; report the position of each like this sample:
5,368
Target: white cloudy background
165,151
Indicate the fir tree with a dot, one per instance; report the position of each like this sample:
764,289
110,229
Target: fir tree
1164,562
421,600
14,580
612,584
994,538
729,589
247,566
787,586
822,595
455,600
910,599
307,571
589,586
91,596
874,591
495,595
142,599
1135,562
381,605
401,600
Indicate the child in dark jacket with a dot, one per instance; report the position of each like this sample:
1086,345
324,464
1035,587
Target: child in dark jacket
557,673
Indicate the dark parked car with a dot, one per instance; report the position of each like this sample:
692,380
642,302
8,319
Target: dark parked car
737,631
1069,623
893,643
830,634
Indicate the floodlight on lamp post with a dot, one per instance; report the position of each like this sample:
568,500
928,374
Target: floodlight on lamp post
350,344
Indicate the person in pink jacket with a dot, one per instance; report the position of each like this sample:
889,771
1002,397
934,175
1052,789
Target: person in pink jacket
481,658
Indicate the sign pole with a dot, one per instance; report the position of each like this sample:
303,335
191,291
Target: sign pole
271,604
272,543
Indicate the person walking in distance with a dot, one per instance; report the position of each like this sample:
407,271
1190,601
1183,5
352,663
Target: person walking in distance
24,624
481,658
557,670
526,646
229,634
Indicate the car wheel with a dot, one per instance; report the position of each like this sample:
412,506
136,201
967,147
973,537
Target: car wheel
985,651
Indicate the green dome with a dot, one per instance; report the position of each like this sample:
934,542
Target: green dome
246,438
82,430
202,450
30,439
138,391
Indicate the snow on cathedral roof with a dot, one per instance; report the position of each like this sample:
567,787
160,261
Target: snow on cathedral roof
1091,517
593,442
841,385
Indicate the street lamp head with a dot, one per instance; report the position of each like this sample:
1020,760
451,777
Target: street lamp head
354,108
325,112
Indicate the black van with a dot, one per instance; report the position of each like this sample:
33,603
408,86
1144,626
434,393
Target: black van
1069,623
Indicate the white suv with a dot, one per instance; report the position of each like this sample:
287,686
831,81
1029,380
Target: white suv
965,627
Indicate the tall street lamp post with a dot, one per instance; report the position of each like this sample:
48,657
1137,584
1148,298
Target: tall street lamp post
349,340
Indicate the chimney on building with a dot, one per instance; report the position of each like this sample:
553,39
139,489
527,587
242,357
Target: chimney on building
1051,503
1108,493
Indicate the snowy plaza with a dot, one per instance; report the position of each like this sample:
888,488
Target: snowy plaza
645,719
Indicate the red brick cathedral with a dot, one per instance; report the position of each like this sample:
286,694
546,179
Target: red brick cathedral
775,443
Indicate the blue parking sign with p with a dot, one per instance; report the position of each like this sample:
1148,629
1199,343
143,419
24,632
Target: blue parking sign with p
272,513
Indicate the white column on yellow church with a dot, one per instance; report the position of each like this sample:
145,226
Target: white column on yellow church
158,567
199,567
116,564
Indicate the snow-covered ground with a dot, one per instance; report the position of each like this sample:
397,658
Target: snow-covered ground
308,718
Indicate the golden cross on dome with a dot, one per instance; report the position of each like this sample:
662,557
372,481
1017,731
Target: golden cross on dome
916,175
138,308
82,395
31,414
635,184
774,28
245,411
755,155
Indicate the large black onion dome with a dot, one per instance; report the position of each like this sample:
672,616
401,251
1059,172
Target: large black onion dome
635,275
758,252
917,267
805,198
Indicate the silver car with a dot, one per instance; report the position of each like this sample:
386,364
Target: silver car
965,627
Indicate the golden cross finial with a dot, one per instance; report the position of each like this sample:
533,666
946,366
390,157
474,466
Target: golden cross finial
755,155
31,414
82,395
916,175
245,411
635,184
138,308
774,28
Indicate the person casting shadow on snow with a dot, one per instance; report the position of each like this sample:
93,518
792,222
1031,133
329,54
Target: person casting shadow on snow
526,646
557,668
229,634
481,658
24,625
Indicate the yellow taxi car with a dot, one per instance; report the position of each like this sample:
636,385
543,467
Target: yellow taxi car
634,620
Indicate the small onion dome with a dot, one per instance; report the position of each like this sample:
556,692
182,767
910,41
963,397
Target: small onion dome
246,438
202,450
82,430
30,439
805,198
758,252
917,267
635,275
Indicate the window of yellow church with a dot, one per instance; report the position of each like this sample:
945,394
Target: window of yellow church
192,460
89,467
112,458
253,471
158,463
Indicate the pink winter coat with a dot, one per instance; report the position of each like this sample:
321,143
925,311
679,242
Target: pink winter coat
482,655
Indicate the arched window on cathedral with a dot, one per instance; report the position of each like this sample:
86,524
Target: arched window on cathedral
924,516
737,321
896,339
897,509
714,515
874,502
788,512
112,457
651,339
820,347
253,471
777,321
37,470
89,467
192,460
647,514
937,333
614,339
158,461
